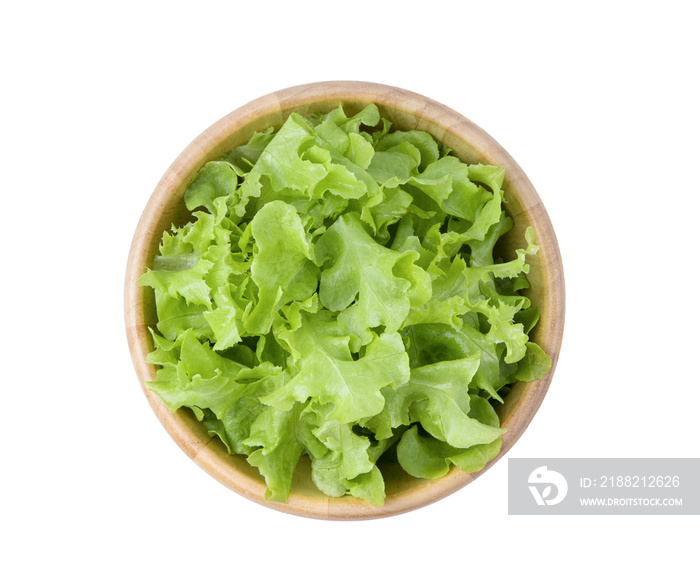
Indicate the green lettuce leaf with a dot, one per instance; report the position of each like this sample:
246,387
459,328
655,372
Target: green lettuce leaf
327,371
283,268
275,432
360,281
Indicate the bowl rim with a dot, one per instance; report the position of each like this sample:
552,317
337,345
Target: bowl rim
445,124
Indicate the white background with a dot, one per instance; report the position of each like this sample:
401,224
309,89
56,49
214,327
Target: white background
598,102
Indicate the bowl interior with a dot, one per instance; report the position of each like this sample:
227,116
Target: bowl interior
405,110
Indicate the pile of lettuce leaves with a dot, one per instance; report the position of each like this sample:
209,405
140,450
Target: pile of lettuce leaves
335,294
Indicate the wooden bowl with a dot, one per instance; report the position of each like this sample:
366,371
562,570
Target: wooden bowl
406,110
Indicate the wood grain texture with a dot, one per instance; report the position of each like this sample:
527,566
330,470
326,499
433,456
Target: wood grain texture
407,110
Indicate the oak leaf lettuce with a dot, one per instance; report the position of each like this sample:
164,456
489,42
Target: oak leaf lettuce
336,294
